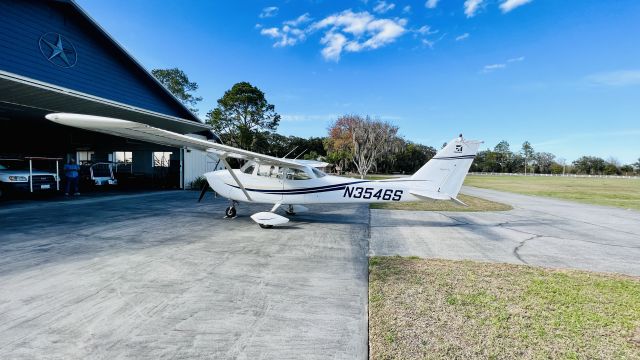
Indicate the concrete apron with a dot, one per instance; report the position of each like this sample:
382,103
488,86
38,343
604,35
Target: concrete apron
161,276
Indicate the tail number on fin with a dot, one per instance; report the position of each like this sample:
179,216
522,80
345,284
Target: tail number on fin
371,193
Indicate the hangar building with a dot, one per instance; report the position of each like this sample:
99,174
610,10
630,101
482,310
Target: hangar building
55,58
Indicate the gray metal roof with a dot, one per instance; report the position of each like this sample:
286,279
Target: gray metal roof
19,90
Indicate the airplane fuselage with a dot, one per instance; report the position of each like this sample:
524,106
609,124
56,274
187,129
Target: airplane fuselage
323,190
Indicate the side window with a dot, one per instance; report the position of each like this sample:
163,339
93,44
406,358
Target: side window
249,169
268,171
297,174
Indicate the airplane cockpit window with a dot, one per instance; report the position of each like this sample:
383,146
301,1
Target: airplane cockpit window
296,174
318,173
249,169
268,171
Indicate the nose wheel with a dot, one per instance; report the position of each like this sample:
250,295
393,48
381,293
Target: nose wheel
230,212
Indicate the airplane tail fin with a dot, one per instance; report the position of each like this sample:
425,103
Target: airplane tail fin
445,172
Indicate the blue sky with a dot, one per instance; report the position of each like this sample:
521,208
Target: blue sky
563,74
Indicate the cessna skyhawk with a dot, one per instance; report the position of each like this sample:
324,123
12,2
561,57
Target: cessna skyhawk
292,183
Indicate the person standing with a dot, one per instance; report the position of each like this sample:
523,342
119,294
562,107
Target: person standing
71,174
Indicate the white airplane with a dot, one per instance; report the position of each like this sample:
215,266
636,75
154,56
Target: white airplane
293,183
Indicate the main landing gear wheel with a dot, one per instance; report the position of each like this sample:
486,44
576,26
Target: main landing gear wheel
265,226
230,212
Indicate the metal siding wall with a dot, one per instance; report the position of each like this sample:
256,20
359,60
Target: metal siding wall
196,163
101,69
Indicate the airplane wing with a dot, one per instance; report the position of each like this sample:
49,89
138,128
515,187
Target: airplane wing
143,132
313,163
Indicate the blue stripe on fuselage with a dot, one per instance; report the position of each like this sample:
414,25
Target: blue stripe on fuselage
309,190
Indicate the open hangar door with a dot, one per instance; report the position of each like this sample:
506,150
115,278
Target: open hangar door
24,132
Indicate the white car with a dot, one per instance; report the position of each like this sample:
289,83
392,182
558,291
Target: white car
15,179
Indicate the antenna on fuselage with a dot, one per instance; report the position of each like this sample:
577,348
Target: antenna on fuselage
292,150
303,151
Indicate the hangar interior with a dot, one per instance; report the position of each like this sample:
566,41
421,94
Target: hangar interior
55,58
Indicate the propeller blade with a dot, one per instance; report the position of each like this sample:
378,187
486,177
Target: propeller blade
205,187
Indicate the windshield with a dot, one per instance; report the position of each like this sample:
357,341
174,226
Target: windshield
318,173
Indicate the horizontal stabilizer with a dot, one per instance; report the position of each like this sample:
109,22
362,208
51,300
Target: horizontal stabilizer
430,195
459,202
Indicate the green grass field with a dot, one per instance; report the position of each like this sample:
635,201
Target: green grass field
475,204
623,193
443,309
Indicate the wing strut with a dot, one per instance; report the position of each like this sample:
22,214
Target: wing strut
233,175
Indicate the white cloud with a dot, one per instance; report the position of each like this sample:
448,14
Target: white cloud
462,37
382,7
426,30
302,19
270,11
406,9
492,67
431,4
354,32
471,7
272,32
289,33
508,5
285,36
428,43
615,78
334,42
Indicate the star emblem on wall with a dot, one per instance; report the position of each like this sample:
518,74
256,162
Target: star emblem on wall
58,50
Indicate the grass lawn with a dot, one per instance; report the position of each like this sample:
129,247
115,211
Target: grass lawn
443,309
623,193
475,204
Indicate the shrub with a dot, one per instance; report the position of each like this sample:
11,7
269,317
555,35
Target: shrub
198,183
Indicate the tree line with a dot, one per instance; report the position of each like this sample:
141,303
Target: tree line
526,160
244,118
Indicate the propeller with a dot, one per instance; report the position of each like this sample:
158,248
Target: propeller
205,187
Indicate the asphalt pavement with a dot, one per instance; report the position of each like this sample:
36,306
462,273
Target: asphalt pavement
538,231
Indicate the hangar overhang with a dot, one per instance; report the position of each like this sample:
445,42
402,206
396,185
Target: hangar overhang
48,98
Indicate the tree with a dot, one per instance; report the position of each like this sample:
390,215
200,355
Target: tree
527,152
177,82
504,154
364,139
242,114
412,157
627,169
590,165
544,160
371,139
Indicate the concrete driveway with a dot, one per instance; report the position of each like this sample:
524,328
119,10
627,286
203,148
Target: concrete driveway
160,276
539,231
